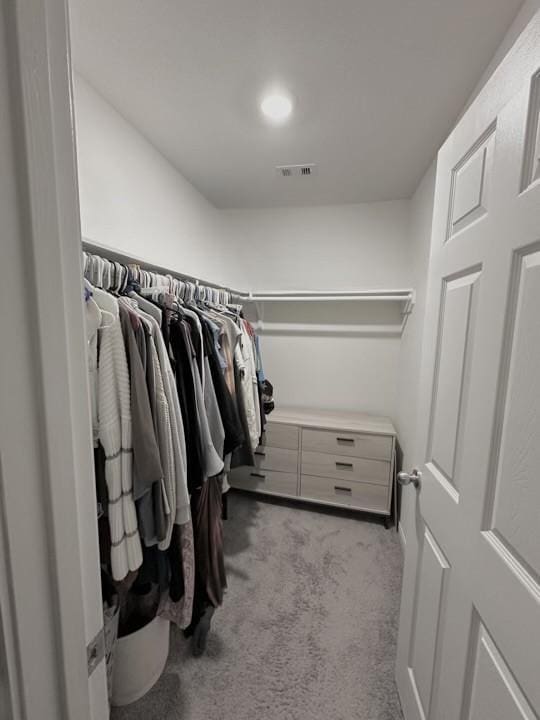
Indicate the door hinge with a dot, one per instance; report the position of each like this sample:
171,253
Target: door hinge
95,651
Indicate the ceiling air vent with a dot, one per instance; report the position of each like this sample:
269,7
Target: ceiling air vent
306,170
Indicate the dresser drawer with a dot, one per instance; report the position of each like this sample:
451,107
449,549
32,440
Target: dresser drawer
280,435
275,458
378,447
247,478
345,467
360,496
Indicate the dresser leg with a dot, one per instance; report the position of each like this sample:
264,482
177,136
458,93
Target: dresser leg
388,522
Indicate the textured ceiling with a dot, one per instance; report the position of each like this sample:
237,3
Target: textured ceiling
377,85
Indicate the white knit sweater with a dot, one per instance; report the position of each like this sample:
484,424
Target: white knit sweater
249,354
114,427
94,319
241,355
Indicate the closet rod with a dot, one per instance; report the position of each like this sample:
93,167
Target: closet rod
116,256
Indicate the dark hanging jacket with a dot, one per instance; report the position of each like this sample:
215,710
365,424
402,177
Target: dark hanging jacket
186,394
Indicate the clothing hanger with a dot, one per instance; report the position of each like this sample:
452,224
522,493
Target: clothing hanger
106,274
118,277
125,277
104,277
97,278
102,301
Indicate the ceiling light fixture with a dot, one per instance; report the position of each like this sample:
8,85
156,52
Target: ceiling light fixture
276,107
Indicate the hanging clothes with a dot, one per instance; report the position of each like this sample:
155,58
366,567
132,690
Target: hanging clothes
147,469
175,381
115,436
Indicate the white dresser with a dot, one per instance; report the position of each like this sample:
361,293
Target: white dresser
329,457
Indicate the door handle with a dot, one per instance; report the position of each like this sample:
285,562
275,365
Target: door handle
405,478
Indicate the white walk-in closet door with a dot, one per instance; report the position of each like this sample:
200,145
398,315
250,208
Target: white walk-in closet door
469,645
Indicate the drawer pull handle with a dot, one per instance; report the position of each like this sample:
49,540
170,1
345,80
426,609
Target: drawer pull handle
349,466
260,452
350,441
258,475
338,488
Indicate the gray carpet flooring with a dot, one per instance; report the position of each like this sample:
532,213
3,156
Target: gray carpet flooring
307,630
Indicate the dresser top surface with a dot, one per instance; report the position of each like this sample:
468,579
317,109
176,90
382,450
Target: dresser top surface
333,420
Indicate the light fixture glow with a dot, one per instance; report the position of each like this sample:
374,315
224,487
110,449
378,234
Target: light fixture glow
276,107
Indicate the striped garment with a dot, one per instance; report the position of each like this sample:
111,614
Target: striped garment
114,429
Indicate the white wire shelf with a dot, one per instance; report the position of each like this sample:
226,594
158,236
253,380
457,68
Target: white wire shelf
288,325
402,294
264,301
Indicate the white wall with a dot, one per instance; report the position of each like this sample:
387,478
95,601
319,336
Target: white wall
520,22
134,200
319,248
349,373
421,214
324,247
406,411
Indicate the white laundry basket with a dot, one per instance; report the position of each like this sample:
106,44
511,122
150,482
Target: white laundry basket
139,661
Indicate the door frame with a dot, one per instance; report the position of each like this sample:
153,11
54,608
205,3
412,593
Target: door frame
49,590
